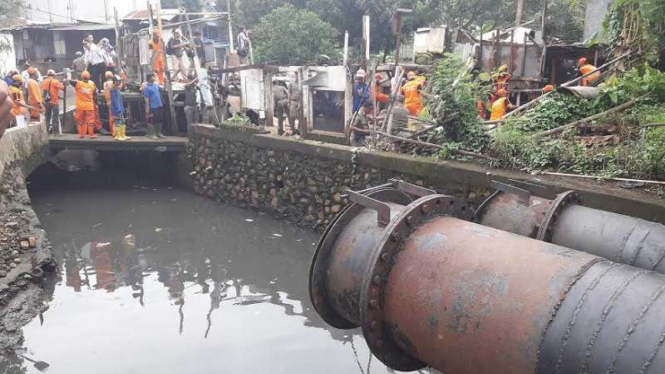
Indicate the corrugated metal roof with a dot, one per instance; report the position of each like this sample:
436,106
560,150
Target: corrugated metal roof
91,27
142,14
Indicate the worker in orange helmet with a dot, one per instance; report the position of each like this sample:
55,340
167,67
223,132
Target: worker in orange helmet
380,96
19,108
35,98
156,56
501,106
412,91
547,89
585,68
85,104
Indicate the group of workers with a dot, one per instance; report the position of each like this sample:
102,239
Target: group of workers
499,102
408,97
287,100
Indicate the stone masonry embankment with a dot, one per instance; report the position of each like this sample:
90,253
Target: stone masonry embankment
304,181
25,253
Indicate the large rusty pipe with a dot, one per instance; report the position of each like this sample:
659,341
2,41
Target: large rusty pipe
564,221
469,299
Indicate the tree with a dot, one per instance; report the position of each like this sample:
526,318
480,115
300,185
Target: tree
293,36
190,5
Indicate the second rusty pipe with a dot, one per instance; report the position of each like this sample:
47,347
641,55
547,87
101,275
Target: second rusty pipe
469,299
566,222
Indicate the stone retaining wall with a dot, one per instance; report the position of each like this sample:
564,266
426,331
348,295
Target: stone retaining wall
303,182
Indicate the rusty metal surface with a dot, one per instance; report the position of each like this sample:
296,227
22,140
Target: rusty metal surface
376,329
611,321
505,211
338,264
465,298
558,206
617,237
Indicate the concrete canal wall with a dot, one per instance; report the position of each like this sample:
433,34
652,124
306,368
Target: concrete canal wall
304,181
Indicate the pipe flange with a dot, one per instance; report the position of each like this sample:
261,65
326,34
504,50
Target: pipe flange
380,335
558,205
319,264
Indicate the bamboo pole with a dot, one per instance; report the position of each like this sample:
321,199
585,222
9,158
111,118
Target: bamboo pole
438,146
167,73
425,131
563,128
598,177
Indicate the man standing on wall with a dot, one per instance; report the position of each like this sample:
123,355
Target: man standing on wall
94,61
175,48
51,88
86,92
360,127
295,97
153,107
35,98
244,44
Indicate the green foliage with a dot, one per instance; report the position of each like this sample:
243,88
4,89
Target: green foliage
635,83
293,36
190,5
641,153
238,120
557,110
455,91
637,25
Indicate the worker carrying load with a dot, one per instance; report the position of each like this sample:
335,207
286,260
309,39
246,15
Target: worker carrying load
85,105
501,106
378,92
585,68
413,97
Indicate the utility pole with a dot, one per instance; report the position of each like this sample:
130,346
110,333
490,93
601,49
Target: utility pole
169,87
366,41
228,9
397,30
543,56
520,11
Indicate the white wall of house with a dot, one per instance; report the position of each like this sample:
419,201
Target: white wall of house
7,56
69,11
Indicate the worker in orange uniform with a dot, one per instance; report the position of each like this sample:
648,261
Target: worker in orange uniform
108,86
51,88
380,96
501,78
35,98
85,105
157,56
501,106
413,98
586,68
19,108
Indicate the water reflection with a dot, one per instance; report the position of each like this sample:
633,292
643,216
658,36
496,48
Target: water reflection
157,280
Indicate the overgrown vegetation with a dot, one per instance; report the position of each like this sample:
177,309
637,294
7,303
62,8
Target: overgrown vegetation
636,25
624,144
454,91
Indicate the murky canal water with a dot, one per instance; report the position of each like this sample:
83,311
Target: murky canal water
159,280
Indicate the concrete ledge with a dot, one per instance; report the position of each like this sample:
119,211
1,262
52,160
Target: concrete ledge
20,144
468,176
107,143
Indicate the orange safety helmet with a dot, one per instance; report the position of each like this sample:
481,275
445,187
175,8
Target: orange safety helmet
582,61
502,92
548,88
32,71
411,75
17,78
85,75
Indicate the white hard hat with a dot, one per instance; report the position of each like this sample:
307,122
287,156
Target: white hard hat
361,73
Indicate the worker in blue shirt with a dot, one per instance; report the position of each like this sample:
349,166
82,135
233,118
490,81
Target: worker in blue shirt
360,90
153,107
118,110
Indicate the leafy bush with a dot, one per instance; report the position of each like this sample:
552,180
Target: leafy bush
293,36
454,93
